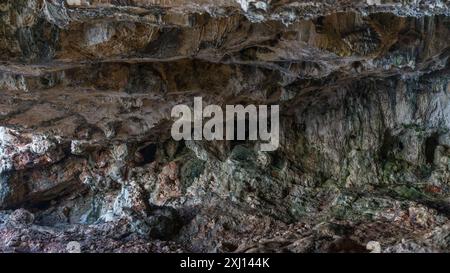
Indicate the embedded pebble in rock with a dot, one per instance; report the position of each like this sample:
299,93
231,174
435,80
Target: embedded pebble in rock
87,161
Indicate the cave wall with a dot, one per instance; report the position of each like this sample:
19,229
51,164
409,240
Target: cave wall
86,92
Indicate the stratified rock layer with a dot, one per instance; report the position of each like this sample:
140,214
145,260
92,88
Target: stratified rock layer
87,162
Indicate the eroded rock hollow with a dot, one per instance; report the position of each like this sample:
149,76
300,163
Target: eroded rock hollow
87,161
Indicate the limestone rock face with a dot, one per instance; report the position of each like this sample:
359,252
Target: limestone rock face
87,162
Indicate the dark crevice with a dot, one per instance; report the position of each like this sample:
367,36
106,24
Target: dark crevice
147,154
431,144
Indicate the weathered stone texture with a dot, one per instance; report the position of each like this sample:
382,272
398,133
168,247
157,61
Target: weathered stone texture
86,92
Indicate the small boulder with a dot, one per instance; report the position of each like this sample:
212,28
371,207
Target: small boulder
21,217
73,247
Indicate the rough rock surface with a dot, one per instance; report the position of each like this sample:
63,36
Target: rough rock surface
87,162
